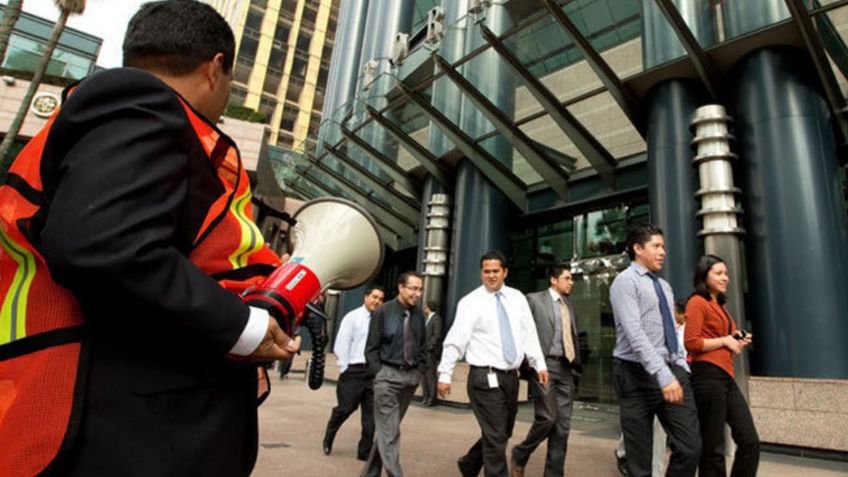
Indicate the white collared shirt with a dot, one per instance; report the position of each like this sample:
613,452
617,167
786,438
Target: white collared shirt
350,340
475,333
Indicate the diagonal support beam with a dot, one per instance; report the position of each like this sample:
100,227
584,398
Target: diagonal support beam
594,152
389,236
427,160
392,219
405,205
707,71
553,175
622,94
391,168
497,173
813,42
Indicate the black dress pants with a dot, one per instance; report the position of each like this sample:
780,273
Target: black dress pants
495,410
354,389
720,401
640,399
552,421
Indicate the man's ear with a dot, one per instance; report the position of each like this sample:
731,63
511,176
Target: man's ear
214,71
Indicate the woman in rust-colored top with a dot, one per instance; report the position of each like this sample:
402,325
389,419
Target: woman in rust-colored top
711,338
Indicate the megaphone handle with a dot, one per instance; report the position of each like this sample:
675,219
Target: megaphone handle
316,323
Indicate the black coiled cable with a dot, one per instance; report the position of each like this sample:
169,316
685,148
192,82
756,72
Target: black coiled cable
316,322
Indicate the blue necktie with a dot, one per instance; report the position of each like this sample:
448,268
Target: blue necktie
668,320
507,343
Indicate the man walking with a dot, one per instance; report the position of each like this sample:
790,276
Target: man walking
354,388
494,329
433,344
556,325
395,355
649,367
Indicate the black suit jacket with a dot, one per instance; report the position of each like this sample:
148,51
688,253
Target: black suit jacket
128,185
434,336
544,314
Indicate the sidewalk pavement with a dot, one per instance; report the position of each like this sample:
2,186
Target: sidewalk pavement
293,419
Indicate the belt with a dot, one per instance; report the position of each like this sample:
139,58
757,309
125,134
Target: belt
357,366
494,370
400,367
561,359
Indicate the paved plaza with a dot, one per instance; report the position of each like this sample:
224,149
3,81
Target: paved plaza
292,422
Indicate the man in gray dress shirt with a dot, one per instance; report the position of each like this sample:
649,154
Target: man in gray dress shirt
556,325
649,367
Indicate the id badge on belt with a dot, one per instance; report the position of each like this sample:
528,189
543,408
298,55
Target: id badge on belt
493,379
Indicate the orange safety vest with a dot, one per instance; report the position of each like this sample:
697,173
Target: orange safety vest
43,354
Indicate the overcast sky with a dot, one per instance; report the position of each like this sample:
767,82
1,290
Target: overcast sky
106,19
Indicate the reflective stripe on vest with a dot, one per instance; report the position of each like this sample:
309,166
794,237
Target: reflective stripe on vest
42,351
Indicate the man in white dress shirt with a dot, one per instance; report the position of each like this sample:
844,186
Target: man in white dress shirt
355,388
494,330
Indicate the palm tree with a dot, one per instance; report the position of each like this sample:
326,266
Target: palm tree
67,8
10,17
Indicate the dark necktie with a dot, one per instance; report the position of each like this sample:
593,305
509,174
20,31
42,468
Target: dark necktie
408,340
668,320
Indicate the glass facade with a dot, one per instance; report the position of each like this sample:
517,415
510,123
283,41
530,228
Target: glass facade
74,57
559,106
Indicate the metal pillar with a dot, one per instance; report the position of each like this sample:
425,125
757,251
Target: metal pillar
797,240
341,83
436,248
721,231
670,107
671,178
481,210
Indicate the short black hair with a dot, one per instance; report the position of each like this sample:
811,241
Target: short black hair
404,277
433,306
554,271
494,255
640,234
177,36
699,281
374,287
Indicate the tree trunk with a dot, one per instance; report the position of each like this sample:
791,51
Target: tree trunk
10,17
15,127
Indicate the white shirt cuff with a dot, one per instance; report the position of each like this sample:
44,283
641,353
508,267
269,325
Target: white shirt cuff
253,333
444,378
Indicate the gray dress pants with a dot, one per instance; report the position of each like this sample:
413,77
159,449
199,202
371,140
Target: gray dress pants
393,391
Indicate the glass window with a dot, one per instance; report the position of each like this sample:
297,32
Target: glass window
237,95
267,105
25,55
602,232
285,140
289,117
309,16
303,41
272,80
243,68
294,89
299,68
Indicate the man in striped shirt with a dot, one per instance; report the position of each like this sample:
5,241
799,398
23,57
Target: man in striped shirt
649,367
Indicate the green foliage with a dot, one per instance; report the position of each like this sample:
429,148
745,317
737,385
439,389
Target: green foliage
245,114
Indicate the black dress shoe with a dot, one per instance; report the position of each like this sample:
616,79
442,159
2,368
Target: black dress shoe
328,445
622,464
466,468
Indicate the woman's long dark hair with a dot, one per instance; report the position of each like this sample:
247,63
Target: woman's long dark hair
699,282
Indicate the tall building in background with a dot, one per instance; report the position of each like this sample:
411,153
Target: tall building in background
283,56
